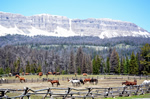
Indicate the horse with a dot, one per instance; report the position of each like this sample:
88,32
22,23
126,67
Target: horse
10,74
48,73
94,80
127,83
21,78
26,73
75,74
57,73
146,82
81,81
87,80
75,82
54,73
40,74
54,81
84,74
45,79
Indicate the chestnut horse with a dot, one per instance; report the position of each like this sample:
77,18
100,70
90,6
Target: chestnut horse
127,83
40,74
48,73
84,74
87,80
54,81
21,78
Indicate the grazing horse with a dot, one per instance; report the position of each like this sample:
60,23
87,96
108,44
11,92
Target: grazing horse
87,80
40,74
94,80
75,82
48,73
84,74
26,73
21,78
127,83
54,81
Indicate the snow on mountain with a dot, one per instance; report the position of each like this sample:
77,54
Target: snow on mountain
53,25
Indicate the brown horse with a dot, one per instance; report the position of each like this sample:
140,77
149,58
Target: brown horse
54,81
48,73
87,80
94,80
40,74
26,73
127,83
84,74
21,78
75,74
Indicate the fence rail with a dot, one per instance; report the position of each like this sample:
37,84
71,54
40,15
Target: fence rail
91,92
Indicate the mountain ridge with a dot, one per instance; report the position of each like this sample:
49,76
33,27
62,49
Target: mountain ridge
61,26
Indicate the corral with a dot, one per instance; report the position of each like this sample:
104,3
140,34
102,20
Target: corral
105,84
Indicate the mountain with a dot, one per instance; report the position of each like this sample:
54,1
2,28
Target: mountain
52,25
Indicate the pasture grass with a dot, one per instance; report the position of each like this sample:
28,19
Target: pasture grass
145,96
66,76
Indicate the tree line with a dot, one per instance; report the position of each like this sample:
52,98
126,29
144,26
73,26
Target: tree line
70,61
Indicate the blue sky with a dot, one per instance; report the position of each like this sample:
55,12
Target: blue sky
135,11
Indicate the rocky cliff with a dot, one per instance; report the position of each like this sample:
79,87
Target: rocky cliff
51,25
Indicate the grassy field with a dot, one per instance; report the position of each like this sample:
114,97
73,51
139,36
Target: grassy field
102,83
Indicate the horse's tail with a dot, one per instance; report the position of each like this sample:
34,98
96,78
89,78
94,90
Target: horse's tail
58,83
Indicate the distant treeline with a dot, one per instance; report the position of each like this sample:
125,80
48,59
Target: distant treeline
73,60
76,40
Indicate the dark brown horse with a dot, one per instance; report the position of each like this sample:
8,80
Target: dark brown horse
21,78
94,81
128,83
54,81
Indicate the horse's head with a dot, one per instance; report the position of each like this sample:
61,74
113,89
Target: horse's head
49,80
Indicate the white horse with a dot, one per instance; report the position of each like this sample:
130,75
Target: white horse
146,82
75,82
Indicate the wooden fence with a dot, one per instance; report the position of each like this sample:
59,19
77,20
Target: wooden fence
92,92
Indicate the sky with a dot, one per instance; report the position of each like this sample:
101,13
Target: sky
135,11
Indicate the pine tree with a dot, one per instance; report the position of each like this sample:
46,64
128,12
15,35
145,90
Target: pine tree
145,61
28,67
108,65
114,62
133,68
126,69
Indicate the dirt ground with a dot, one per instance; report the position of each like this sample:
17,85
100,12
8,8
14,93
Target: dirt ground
102,83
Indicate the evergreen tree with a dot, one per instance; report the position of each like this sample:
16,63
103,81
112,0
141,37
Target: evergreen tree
114,62
28,67
1,71
133,68
108,65
126,69
145,61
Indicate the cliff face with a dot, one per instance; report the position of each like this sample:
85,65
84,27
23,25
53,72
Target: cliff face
50,25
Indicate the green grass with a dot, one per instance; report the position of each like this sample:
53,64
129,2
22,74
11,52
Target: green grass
147,96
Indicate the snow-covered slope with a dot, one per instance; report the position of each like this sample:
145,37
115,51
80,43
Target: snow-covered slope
52,25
